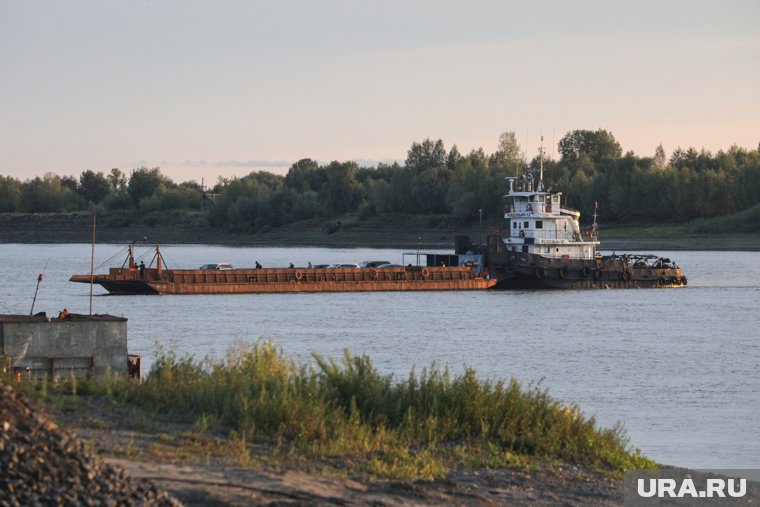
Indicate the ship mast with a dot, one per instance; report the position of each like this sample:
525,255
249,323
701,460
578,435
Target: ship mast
540,186
595,226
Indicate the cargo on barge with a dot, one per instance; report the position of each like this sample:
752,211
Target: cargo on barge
132,279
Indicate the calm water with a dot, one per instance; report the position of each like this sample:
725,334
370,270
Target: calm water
680,368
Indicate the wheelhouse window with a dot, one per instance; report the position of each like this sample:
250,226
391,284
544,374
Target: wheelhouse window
525,225
539,224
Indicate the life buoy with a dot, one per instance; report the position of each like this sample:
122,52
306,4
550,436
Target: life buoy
425,272
373,273
563,272
298,275
598,274
539,272
586,272
522,233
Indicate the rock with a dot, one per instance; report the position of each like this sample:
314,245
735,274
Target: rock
45,465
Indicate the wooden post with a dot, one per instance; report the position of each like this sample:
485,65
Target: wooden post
159,262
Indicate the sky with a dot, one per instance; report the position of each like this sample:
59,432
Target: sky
205,89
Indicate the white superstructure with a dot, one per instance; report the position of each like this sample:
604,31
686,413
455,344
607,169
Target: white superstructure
538,224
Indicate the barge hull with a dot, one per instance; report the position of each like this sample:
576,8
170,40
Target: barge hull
291,280
286,287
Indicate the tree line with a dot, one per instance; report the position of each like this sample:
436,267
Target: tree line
432,181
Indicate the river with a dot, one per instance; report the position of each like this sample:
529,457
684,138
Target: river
680,368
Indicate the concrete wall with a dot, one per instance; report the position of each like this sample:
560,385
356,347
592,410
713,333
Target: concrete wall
78,343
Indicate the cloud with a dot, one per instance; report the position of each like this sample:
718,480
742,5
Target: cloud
235,163
252,164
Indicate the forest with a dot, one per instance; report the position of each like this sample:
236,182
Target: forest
591,168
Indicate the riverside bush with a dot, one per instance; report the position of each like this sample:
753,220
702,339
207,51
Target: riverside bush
408,429
334,408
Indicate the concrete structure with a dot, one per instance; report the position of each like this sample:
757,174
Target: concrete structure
38,345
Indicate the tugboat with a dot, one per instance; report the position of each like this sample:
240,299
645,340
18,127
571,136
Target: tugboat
542,246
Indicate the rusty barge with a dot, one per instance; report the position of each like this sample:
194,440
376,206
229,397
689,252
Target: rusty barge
133,279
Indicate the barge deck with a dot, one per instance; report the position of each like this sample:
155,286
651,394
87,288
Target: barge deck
284,280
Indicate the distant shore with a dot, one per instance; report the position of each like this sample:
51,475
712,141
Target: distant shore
353,233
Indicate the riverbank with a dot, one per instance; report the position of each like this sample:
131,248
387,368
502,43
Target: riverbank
260,428
427,232
237,433
203,471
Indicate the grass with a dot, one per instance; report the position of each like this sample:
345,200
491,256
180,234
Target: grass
415,429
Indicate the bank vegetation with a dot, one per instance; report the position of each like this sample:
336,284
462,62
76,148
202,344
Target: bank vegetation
417,428
432,182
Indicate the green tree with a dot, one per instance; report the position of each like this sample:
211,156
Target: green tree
306,175
143,183
426,155
509,154
94,186
341,190
453,158
429,190
10,194
660,160
117,180
597,145
44,195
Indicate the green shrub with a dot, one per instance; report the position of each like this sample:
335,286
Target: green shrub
348,406
408,429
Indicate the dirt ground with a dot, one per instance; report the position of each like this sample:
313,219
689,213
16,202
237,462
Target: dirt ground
212,482
214,485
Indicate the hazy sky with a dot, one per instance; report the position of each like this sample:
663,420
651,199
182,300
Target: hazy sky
223,88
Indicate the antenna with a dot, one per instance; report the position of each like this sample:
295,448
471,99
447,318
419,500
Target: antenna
541,158
526,148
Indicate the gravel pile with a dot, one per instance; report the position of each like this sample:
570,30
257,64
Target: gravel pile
40,464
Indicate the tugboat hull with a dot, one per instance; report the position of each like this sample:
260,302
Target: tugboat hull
529,271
